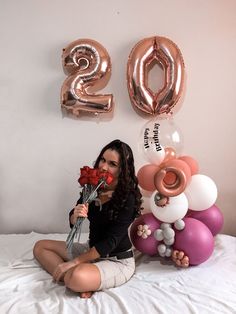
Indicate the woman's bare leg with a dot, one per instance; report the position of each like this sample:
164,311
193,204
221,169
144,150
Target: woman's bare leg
50,253
84,278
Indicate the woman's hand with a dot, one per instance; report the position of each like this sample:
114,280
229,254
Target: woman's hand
61,269
81,210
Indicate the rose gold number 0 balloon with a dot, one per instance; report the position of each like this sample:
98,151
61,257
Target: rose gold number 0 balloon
165,53
89,68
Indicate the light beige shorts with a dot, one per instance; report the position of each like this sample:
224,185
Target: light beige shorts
114,272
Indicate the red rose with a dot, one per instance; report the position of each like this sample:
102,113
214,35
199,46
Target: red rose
93,173
94,176
84,171
83,180
109,178
84,175
94,180
106,177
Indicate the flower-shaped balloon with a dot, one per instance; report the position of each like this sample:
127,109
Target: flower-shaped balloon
143,231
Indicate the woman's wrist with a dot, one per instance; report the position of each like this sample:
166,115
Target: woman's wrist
72,219
76,261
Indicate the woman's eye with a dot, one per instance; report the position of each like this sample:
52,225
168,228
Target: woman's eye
113,164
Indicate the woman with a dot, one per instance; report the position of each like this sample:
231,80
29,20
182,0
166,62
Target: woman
107,259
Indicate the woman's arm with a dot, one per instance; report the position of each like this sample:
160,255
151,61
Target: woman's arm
71,219
80,210
62,268
88,256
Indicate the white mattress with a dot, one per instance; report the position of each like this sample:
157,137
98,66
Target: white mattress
156,287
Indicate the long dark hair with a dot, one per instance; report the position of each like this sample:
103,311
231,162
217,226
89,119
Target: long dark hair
127,180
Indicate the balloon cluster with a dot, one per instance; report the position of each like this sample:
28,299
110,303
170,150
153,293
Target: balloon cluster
184,218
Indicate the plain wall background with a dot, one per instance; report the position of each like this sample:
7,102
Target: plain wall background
41,151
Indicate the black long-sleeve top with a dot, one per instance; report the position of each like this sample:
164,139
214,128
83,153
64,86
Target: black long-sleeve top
106,235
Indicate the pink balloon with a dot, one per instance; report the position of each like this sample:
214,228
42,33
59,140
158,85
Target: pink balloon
192,163
142,233
146,177
195,240
211,217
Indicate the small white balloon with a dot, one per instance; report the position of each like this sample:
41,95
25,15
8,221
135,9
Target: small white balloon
179,224
168,252
201,192
158,235
165,225
169,241
161,248
168,233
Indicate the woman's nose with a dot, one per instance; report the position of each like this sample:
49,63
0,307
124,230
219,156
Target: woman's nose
104,167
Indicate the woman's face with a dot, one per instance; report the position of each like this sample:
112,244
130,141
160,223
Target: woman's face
110,161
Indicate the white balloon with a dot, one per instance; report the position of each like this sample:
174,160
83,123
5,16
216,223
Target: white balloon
165,225
158,235
179,224
174,210
169,241
161,248
168,233
168,252
201,192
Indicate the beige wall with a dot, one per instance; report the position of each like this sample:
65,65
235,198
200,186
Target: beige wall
41,151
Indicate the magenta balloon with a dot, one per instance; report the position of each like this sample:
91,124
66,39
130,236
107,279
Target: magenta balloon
148,245
211,217
195,240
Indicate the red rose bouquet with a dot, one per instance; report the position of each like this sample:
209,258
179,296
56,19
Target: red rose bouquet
91,180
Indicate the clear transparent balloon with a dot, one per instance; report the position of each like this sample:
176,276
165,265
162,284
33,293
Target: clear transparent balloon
158,134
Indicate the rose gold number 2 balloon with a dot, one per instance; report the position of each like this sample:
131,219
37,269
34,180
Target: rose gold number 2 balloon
89,68
164,52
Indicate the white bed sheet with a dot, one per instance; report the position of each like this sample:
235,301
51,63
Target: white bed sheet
156,287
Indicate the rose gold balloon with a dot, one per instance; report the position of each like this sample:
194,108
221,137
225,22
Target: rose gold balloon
193,164
164,52
89,68
170,153
172,179
146,175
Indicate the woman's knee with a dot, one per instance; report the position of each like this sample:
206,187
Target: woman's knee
75,278
38,247
42,245
58,247
81,279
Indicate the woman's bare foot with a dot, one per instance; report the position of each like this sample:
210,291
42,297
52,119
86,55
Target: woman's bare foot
86,295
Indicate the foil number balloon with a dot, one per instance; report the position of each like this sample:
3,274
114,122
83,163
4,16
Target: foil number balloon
164,52
89,67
